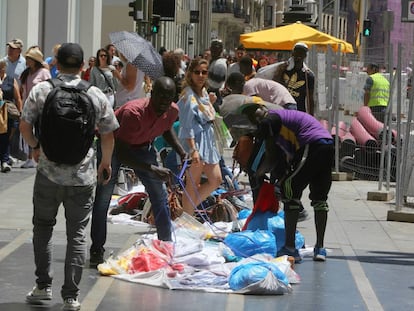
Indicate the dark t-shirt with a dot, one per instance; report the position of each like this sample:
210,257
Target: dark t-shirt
295,82
7,88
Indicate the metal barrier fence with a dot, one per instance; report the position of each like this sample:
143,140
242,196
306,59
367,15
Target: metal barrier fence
369,149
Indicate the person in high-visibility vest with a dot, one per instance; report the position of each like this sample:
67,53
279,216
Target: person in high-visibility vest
377,92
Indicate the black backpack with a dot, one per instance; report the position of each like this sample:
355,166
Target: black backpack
67,124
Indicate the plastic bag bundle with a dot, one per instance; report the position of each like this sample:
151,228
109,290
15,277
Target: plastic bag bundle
247,243
276,225
265,277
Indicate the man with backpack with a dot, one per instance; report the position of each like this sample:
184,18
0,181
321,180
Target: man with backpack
66,173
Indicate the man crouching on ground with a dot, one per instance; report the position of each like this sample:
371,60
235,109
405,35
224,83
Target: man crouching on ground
299,152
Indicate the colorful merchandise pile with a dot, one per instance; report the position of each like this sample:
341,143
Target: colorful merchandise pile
201,259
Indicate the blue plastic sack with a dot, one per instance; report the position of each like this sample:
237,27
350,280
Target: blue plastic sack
276,225
244,213
260,220
250,273
247,243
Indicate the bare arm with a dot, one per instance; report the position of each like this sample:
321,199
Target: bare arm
367,96
130,78
17,96
311,103
171,138
107,146
367,90
195,156
26,129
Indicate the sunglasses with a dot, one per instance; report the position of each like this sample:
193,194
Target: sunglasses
203,72
103,55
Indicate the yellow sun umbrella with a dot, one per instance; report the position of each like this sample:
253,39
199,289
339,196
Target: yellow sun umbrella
285,37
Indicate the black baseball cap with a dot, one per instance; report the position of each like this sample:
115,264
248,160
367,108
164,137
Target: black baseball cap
70,55
235,79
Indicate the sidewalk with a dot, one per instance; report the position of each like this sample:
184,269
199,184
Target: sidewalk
370,264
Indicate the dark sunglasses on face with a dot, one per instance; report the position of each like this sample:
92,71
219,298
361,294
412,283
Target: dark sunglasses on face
103,55
203,72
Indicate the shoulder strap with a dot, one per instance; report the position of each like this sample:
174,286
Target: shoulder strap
83,85
55,82
106,79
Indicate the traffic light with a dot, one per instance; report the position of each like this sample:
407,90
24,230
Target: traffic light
367,30
134,11
155,23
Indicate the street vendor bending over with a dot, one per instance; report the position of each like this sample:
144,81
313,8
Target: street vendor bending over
299,152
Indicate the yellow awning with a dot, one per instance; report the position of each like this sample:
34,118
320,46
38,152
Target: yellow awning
285,37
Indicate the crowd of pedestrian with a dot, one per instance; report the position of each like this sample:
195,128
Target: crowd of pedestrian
131,110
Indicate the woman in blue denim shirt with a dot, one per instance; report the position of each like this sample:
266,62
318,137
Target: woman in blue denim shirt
197,135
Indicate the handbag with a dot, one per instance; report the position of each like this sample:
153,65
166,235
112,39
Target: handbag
174,202
221,134
3,119
126,181
12,111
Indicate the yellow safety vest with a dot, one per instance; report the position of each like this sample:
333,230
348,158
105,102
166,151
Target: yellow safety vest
380,91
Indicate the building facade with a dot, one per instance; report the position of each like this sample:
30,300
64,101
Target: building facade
88,22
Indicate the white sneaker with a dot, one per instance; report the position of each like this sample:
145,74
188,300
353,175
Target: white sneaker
38,295
5,168
71,304
12,160
29,164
